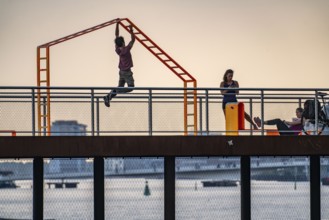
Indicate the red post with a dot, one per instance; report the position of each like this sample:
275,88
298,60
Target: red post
241,116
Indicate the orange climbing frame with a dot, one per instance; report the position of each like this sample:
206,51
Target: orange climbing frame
43,75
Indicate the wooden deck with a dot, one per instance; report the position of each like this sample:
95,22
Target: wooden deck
144,146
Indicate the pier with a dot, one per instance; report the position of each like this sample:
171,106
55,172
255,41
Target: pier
62,184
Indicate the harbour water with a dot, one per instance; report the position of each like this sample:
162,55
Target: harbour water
125,200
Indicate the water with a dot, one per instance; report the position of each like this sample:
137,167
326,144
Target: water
125,200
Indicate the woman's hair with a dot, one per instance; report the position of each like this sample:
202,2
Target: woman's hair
300,110
226,73
119,41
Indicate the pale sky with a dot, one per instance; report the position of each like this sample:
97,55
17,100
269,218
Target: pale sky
269,43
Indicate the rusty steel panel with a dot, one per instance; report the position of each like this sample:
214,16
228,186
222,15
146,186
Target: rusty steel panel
143,146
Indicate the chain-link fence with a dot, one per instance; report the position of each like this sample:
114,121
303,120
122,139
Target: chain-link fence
283,190
16,194
206,188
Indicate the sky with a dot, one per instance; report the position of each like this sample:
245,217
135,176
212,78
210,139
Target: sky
268,43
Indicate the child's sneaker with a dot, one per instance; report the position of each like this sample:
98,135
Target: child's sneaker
258,121
106,101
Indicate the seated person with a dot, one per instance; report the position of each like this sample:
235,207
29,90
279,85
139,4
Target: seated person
285,127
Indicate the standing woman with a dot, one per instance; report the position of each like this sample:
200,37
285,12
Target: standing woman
230,95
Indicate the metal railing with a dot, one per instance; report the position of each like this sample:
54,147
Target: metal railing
146,111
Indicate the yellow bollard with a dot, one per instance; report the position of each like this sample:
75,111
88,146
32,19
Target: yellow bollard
232,119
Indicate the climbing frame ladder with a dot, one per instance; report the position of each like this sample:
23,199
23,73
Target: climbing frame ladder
43,76
190,94
43,95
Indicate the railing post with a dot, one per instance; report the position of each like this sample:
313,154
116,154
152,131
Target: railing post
262,110
200,115
97,116
315,187
251,114
92,113
316,113
169,188
245,188
300,103
99,204
150,113
33,112
207,112
44,109
38,187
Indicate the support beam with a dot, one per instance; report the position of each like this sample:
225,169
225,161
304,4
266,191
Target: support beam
99,191
245,188
169,185
315,185
144,146
38,187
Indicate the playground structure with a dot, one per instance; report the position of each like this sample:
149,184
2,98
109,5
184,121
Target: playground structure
43,75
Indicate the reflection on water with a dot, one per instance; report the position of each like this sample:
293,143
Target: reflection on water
125,200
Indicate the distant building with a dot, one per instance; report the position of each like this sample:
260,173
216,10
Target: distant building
68,128
114,165
73,128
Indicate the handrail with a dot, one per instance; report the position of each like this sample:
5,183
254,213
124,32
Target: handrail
164,88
